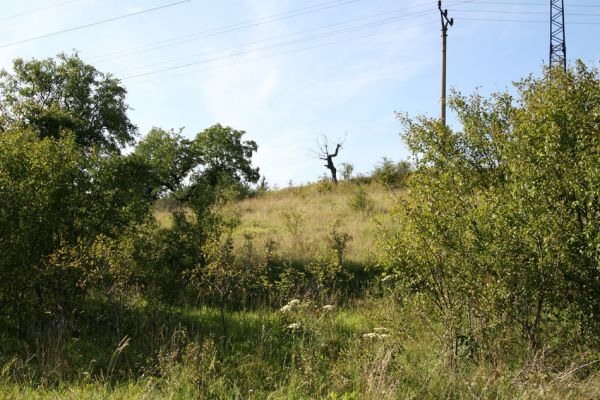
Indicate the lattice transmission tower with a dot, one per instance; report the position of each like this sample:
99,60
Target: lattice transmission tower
558,44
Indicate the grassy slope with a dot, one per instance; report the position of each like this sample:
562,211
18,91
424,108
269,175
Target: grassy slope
301,218
328,358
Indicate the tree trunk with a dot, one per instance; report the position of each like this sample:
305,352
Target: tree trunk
334,175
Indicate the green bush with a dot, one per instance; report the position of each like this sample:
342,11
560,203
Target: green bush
360,200
392,174
502,231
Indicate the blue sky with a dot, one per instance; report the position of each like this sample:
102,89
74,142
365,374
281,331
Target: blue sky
289,71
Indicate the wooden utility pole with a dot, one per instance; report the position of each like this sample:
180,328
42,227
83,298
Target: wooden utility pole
445,23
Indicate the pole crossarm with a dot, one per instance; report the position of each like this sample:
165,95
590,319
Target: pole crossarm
445,20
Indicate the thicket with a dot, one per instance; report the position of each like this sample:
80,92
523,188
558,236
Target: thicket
76,221
390,174
80,245
500,232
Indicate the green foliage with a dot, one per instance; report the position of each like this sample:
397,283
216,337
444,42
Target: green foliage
55,194
360,200
75,223
223,153
338,241
294,221
169,156
392,174
501,228
202,171
347,169
324,185
53,96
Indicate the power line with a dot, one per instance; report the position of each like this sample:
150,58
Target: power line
525,12
92,24
377,23
351,39
318,28
238,26
219,31
149,78
516,3
540,21
37,10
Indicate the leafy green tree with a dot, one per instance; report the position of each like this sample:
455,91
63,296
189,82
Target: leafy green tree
61,94
224,154
170,158
501,229
196,171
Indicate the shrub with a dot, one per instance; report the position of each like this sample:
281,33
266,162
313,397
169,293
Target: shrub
392,174
502,232
360,200
347,169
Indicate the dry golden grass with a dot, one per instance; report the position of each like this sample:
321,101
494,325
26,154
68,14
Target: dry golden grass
299,219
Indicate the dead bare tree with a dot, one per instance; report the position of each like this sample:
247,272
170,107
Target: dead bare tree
323,153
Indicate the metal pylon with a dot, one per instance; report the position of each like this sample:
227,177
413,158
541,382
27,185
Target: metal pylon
558,45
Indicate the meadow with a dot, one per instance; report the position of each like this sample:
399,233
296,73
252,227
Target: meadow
378,345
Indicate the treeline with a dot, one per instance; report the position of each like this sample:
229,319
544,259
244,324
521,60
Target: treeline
76,209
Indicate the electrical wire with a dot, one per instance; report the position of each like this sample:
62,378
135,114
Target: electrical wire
523,12
351,39
239,26
516,3
521,20
38,10
92,24
219,31
285,43
314,29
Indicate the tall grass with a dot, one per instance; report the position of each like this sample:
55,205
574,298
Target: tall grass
313,212
328,354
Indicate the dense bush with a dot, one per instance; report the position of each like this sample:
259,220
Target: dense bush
75,212
392,174
502,229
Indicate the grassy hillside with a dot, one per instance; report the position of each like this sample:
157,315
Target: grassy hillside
378,346
300,219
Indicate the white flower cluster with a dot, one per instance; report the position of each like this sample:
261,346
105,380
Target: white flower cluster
378,333
328,307
295,326
290,305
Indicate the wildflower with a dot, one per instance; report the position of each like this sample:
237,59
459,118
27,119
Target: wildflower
375,335
294,326
290,305
328,307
